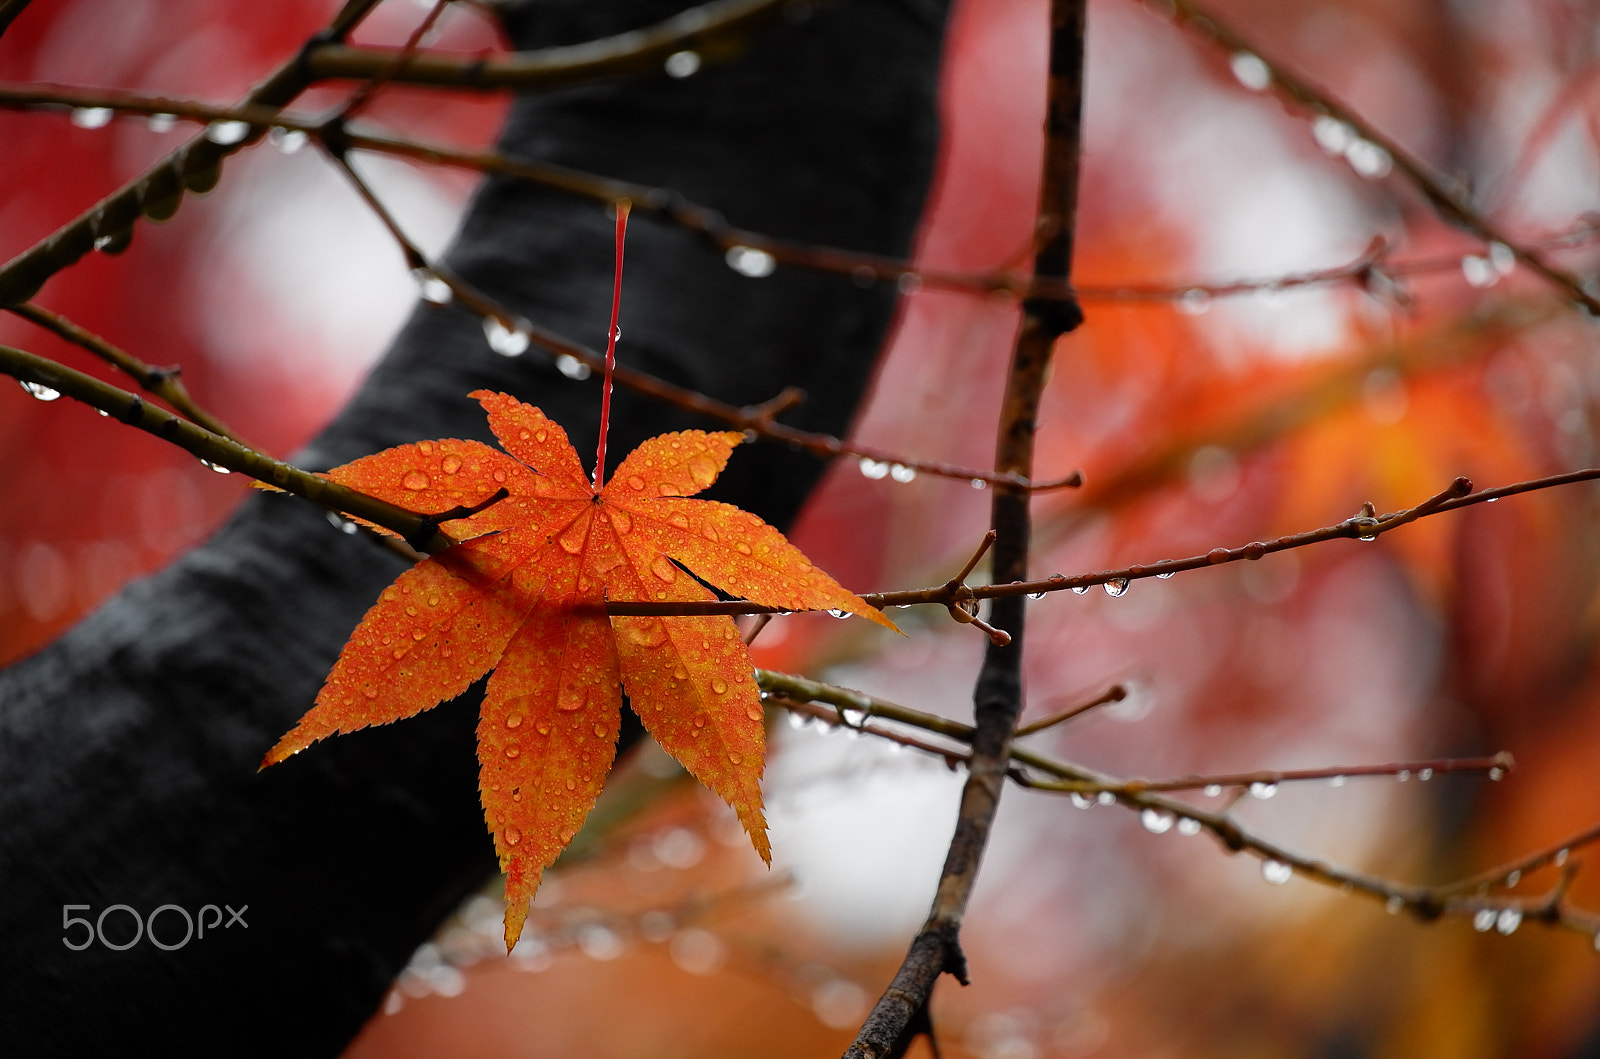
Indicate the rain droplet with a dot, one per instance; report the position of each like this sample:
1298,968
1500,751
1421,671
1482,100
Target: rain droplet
1479,271
1263,790
1508,920
39,390
512,836
161,122
1503,258
979,483
839,613
450,464
415,480
227,133
1514,878
748,261
1250,71
901,473
1213,790
754,713
1081,800
1188,825
1105,798
799,721
1194,301
1424,776
370,692
664,569
1332,135
1403,775
1394,905
1035,595
1163,575
1561,857
681,64
1366,528
1276,872
719,686
92,117
287,141
514,721
434,289
1156,821
506,341
742,547
1483,920
1337,781
513,750
1116,586
873,469
734,757
1369,161
1496,774
572,367
1079,590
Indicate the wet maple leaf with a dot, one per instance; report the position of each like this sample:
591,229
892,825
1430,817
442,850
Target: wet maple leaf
524,594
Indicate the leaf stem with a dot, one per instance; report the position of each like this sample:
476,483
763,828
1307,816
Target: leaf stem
622,207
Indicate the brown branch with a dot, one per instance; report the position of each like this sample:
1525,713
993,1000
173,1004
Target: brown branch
164,383
997,699
1159,813
158,192
48,380
713,28
1448,201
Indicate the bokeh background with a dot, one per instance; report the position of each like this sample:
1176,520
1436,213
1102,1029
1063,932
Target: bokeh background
1199,418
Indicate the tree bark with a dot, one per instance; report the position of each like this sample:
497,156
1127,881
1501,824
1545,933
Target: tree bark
129,748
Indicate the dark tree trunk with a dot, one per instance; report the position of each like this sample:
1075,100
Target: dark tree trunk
128,750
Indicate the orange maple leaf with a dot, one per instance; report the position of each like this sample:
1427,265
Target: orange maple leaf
524,594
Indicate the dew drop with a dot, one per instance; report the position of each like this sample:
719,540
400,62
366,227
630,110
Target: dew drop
1514,878
1213,790
1188,825
839,613
434,289
506,341
901,473
1163,575
1394,905
513,750
450,464
1081,800
370,692
1369,161
227,133
1276,872
161,122
1116,586
748,261
1194,301
1332,135
1035,595
979,483
1424,775
1403,775
1483,920
287,141
873,469
514,721
572,367
572,785
664,569
215,467
1561,857
1337,781
1156,821
1079,590
1250,71
1263,790
1496,774
754,713
39,390
1105,798
1508,920
1479,271
734,757
681,64
1366,528
799,721
92,117
512,836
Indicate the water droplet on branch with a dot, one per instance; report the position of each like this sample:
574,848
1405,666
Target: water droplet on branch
287,141
748,261
681,64
1276,872
38,390
92,117
1156,821
873,469
506,341
1250,71
1116,586
1263,791
227,133
572,367
161,122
